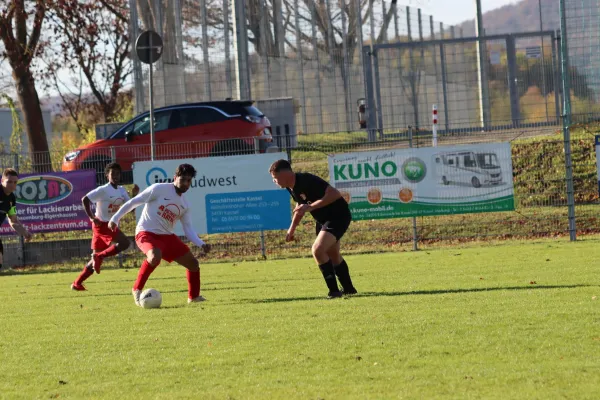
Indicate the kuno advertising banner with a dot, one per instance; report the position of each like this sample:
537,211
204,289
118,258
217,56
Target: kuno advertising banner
51,202
426,181
229,194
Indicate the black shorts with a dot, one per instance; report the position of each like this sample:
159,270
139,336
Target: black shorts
1,247
337,227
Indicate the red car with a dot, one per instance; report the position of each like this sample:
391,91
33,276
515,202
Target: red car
180,131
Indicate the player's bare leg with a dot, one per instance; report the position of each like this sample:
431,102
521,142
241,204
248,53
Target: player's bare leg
341,269
153,258
192,265
322,245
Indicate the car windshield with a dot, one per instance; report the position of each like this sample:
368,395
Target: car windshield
251,110
127,129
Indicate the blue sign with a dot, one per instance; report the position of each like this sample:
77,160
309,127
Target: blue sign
248,211
156,175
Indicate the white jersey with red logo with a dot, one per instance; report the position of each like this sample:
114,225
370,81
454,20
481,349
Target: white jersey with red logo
108,200
162,209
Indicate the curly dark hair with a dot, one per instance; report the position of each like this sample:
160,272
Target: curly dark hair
111,166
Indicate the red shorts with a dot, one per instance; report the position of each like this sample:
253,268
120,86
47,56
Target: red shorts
103,236
170,246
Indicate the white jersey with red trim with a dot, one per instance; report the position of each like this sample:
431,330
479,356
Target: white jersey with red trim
108,200
163,208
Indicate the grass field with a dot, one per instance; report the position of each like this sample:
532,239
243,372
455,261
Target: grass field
518,320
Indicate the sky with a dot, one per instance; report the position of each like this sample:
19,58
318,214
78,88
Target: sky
452,12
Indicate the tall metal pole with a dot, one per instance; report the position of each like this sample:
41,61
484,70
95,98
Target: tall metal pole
228,77
151,94
138,78
242,68
484,109
299,57
205,56
543,63
564,50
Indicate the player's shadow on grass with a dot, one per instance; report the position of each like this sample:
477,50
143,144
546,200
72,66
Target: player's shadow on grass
420,293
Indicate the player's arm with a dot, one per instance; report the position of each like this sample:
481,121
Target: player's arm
87,207
296,218
190,232
14,222
331,195
142,198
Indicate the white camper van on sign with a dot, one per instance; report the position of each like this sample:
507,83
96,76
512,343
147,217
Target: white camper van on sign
468,167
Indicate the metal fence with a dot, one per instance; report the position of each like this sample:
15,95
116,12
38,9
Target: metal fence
312,51
259,49
405,79
540,191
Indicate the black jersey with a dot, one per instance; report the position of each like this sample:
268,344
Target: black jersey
8,202
310,188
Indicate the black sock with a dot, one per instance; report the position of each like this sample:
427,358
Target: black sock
329,275
343,275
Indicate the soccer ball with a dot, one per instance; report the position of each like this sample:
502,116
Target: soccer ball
150,298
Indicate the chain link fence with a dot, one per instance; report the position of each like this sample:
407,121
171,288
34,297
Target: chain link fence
538,177
313,51
532,89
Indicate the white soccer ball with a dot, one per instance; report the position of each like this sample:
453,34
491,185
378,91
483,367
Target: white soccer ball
150,298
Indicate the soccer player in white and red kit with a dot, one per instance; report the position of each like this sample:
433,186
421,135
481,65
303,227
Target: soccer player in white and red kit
164,205
105,242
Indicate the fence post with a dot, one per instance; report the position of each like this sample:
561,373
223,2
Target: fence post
444,87
413,88
378,105
315,44
288,141
21,239
263,246
434,127
556,78
370,92
414,219
511,59
300,68
242,66
566,82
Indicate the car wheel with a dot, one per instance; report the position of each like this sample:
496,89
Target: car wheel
231,148
445,181
475,182
98,164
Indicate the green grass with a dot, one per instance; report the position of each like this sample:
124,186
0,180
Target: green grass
514,320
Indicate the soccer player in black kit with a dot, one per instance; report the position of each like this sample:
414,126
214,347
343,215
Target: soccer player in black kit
332,215
8,206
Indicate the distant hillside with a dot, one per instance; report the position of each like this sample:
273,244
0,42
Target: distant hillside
520,17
